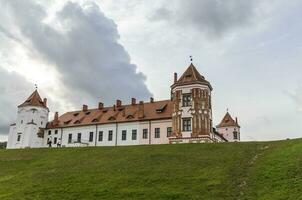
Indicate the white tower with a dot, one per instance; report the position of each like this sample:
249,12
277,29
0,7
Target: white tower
32,117
229,128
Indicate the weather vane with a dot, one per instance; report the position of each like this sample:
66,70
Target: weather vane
36,86
191,58
227,109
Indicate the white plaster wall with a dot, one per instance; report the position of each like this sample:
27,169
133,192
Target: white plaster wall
64,133
29,137
128,127
106,128
144,125
227,132
163,125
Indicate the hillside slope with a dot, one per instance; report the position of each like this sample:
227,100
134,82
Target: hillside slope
268,170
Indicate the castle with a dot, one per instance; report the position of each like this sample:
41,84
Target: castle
185,118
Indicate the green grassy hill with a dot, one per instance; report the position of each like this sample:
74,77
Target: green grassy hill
266,170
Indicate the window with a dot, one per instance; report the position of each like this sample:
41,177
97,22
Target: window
19,138
79,137
235,135
110,134
186,100
49,132
41,122
21,121
124,135
145,133
157,132
69,138
186,124
55,140
134,134
100,136
91,137
169,131
56,131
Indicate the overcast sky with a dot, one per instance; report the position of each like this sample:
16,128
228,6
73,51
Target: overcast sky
83,52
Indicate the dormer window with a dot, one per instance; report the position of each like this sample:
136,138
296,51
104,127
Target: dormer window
130,117
75,114
111,118
186,100
161,108
77,122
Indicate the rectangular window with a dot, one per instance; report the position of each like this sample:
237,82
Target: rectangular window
186,124
69,138
169,131
157,132
56,131
235,135
79,137
49,132
110,134
145,133
91,137
100,136
134,134
19,137
124,135
55,140
186,100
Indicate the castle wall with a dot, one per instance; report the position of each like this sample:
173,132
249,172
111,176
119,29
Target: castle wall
117,131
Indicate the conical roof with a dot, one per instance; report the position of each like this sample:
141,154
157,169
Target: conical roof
191,76
227,121
33,100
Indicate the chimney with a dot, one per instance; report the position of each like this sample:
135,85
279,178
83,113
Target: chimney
236,120
151,100
45,102
141,109
56,119
118,103
101,105
114,107
175,77
133,101
85,108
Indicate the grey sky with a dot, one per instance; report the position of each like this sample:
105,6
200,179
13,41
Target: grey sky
250,51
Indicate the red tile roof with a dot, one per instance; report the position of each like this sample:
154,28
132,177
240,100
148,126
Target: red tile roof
124,113
34,100
227,121
191,76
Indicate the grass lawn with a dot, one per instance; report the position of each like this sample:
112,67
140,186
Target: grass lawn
256,170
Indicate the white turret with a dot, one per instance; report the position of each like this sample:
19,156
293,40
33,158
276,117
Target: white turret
31,118
229,128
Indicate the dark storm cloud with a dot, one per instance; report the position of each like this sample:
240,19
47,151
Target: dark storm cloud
84,48
12,87
212,17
